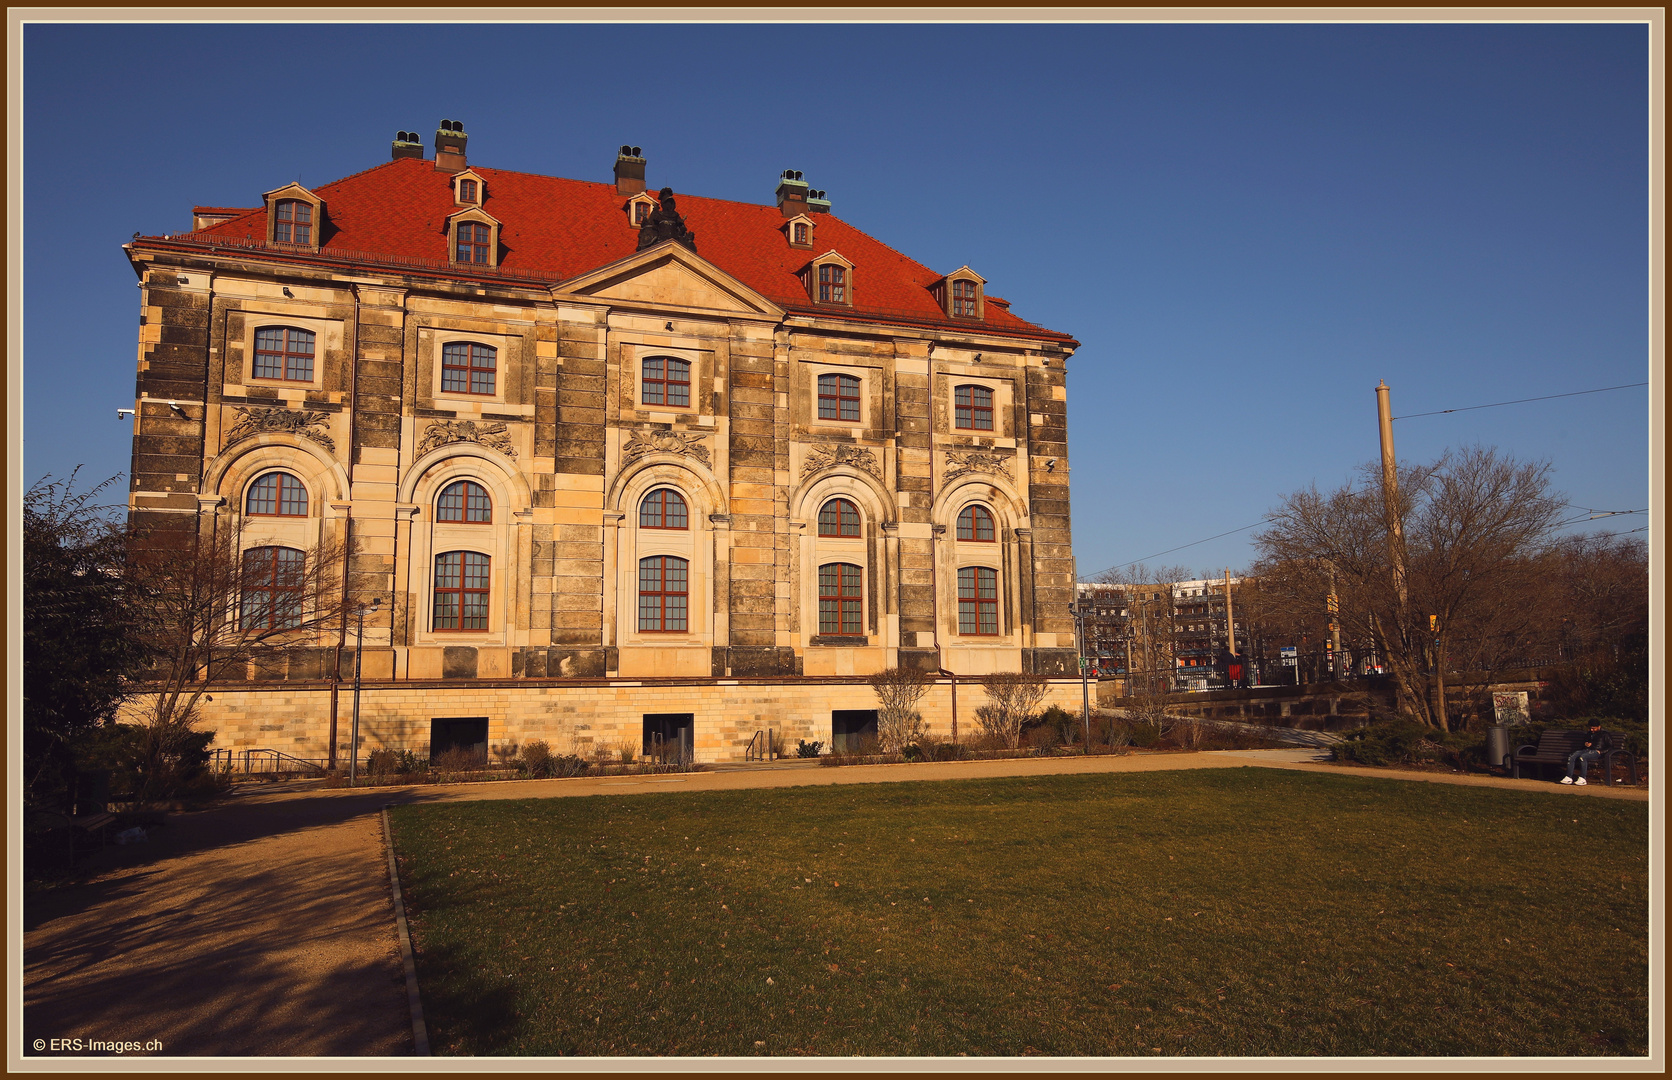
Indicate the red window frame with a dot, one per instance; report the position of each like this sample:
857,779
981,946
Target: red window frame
641,210
278,494
471,242
963,299
800,232
841,600
833,284
978,601
464,501
271,596
838,397
664,594
972,408
288,359
975,524
839,518
469,368
666,381
292,222
467,191
461,596
664,508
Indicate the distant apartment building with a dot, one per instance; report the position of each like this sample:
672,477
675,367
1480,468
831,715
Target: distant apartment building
1168,635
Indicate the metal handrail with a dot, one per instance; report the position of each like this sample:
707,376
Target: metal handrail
249,762
753,754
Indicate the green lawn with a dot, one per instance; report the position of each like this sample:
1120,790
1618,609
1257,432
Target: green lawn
1213,912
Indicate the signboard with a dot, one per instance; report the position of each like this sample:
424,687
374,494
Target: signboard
1290,655
1510,707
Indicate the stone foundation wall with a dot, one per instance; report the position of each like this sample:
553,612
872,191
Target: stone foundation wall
295,719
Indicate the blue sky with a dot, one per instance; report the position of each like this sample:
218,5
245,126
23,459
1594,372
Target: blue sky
1246,226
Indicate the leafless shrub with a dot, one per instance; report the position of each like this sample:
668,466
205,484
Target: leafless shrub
1013,700
898,691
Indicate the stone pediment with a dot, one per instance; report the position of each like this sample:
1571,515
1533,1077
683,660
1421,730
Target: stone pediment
669,277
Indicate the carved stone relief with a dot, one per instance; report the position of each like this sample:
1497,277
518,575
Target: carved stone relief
256,420
494,436
664,442
829,455
957,464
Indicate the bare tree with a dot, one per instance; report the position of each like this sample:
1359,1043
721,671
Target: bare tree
1472,521
898,690
1013,699
208,609
1149,624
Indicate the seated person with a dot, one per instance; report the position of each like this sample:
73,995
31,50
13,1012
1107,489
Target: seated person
1597,742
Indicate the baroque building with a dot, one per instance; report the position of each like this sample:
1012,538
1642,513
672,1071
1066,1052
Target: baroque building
613,463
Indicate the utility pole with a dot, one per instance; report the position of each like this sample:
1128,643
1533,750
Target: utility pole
1390,506
1334,605
1230,626
1077,609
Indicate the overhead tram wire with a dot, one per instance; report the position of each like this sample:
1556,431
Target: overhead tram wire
1521,401
1181,547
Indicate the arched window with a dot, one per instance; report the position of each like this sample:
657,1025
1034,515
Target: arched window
841,599
461,591
838,397
284,352
663,508
277,494
468,368
978,601
663,594
293,222
272,588
475,241
838,517
972,408
666,381
976,523
464,500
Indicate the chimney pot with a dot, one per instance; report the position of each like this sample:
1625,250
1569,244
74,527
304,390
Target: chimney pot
792,194
449,147
629,171
406,145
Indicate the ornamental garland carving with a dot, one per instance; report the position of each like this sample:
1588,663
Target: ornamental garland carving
256,420
664,442
957,464
494,436
829,456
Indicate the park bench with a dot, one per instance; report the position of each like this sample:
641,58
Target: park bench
77,826
1554,747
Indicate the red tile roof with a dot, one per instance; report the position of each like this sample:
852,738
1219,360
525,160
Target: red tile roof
555,229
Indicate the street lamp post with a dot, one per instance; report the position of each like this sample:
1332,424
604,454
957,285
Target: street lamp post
359,647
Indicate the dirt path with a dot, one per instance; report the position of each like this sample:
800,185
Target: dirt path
263,927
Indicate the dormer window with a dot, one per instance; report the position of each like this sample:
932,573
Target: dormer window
294,217
829,280
638,208
798,230
474,237
467,191
292,222
961,294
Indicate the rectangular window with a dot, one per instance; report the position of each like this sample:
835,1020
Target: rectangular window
963,299
978,601
838,397
293,222
284,353
467,191
468,368
666,381
473,242
801,232
663,594
972,408
833,284
841,600
461,591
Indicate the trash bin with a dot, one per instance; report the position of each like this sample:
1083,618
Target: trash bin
1497,745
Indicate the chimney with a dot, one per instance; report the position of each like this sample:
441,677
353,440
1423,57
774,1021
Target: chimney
449,146
817,203
792,194
629,171
407,144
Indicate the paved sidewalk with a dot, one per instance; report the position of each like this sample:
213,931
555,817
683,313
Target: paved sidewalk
264,926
